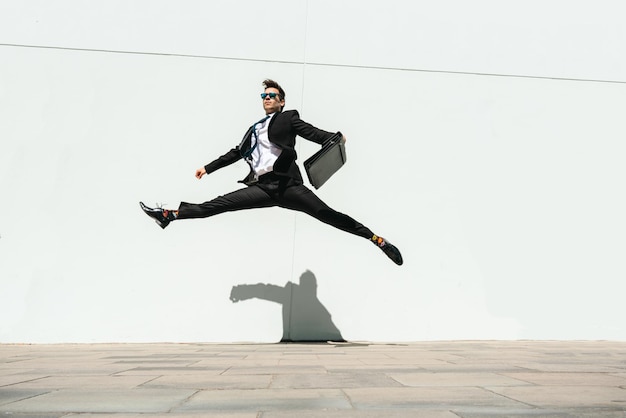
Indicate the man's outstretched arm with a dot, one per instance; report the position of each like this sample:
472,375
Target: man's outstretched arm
227,159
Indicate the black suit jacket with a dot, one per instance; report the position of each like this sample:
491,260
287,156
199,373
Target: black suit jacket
282,132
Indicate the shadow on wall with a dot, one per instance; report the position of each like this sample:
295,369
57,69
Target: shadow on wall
305,319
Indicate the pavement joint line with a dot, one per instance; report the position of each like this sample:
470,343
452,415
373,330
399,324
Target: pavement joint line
222,373
516,378
509,398
348,398
148,381
24,381
184,401
28,397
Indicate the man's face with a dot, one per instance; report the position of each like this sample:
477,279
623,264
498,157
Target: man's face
274,104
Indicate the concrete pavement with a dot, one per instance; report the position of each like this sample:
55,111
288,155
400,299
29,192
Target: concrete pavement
454,379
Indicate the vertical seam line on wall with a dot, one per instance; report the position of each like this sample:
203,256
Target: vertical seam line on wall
295,215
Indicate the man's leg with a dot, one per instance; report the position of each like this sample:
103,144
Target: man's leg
301,198
248,198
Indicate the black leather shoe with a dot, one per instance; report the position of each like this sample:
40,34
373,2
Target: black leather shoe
156,214
389,249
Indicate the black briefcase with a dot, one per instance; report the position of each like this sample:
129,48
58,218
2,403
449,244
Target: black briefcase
324,163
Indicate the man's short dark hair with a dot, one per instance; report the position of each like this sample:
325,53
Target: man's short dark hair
272,84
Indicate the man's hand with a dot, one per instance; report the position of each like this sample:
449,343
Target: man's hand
200,172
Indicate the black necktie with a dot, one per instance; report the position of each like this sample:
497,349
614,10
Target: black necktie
248,153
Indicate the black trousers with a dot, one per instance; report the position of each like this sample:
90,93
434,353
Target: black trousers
274,190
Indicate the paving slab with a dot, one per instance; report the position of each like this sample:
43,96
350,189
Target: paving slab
266,400
163,415
172,371
566,396
353,379
570,379
480,379
429,397
207,382
138,401
274,370
378,413
96,382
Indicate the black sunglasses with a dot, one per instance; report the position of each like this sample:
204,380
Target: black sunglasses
271,95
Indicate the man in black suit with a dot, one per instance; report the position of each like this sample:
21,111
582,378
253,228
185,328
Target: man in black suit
274,178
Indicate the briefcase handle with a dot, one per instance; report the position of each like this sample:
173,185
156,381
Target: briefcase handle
333,139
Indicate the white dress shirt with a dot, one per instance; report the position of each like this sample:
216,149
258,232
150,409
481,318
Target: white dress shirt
265,154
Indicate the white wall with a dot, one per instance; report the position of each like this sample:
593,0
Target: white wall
485,139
